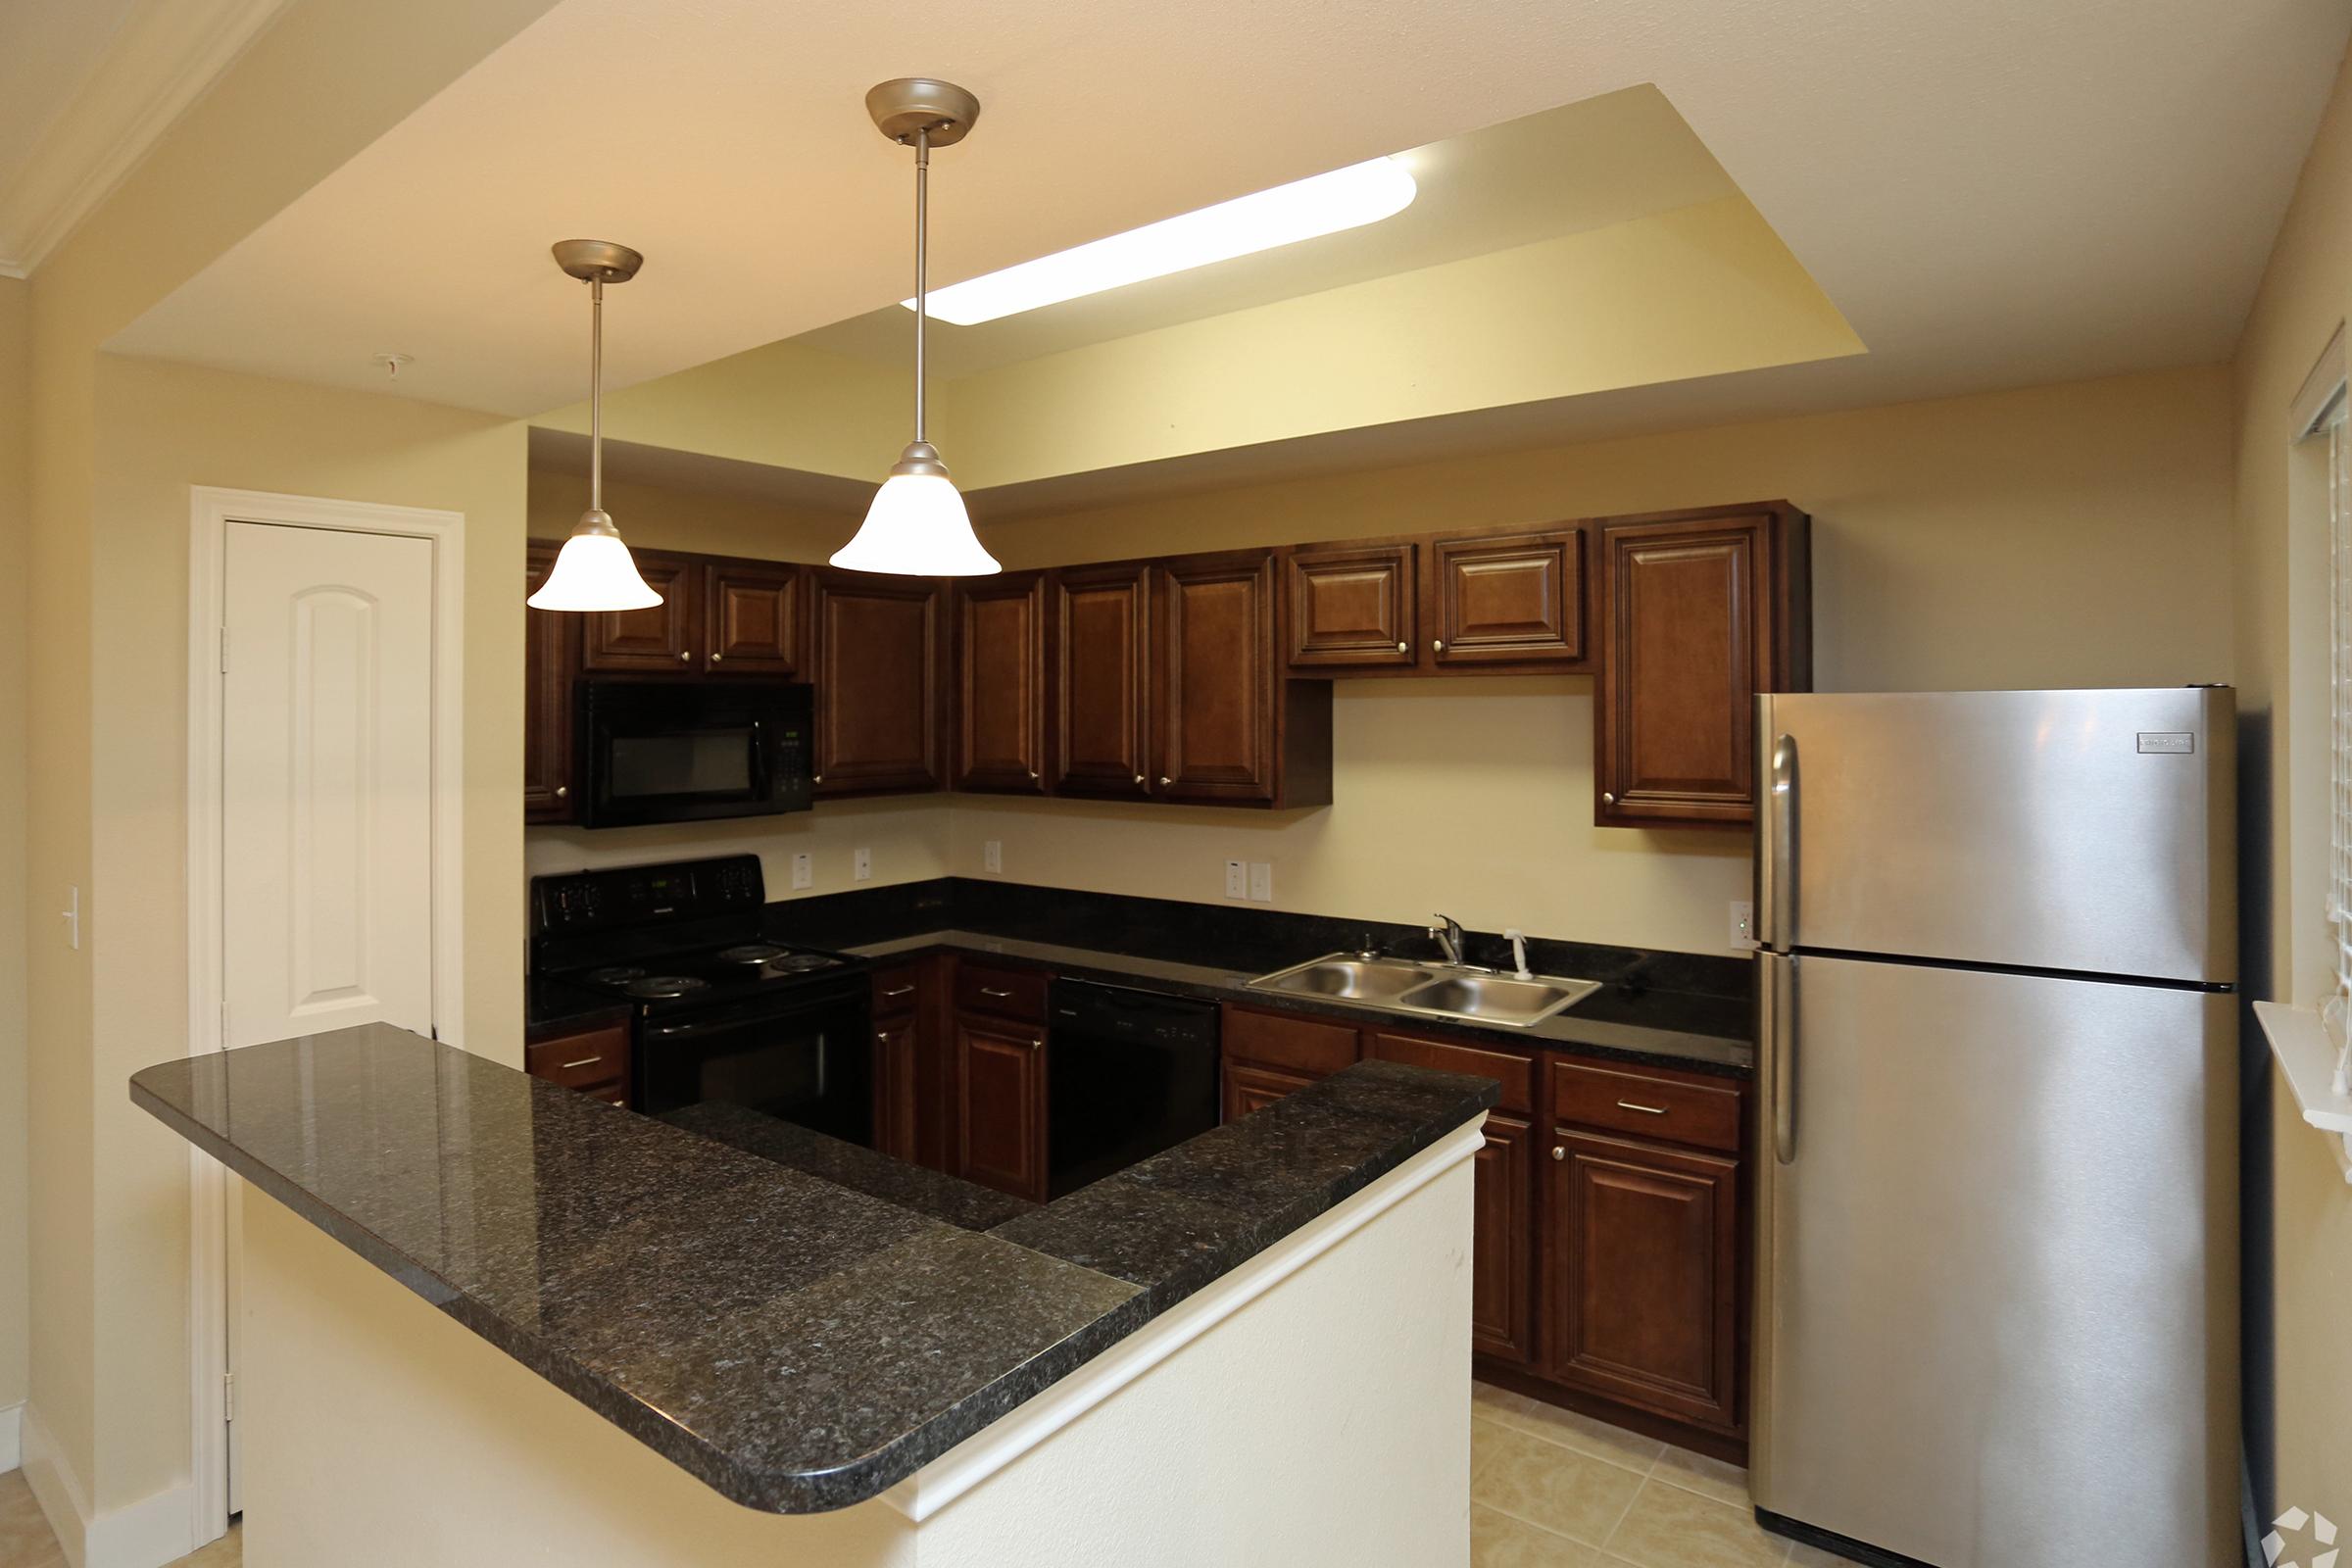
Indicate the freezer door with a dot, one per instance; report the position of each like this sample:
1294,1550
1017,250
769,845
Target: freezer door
2092,831
1996,1274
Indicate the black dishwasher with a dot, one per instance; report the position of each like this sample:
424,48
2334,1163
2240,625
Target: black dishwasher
1131,1072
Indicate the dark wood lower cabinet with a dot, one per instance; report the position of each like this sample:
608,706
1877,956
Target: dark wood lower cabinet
1000,1122
1502,1242
1643,1275
1248,1088
897,1043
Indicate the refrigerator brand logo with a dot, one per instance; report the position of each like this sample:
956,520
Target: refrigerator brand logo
2172,742
2291,1522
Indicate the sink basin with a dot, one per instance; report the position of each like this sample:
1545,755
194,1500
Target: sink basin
1494,998
1368,980
1431,991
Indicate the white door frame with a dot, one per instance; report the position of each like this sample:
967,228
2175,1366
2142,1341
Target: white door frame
211,511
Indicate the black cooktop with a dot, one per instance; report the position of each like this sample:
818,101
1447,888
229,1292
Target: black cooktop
710,975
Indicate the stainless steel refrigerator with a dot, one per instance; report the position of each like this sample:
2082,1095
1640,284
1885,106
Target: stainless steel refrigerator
1996,1213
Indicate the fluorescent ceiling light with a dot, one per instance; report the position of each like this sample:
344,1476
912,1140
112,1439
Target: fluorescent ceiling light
1323,204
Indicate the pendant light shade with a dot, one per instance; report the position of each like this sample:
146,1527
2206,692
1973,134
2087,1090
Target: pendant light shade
594,569
917,525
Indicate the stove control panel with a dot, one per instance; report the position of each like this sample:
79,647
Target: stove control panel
642,897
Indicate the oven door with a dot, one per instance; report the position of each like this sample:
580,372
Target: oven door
805,1060
685,751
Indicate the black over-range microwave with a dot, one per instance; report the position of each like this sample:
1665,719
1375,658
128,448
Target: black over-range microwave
656,751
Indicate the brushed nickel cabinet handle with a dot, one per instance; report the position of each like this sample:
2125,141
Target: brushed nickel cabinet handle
1646,1110
584,1062
902,990
990,991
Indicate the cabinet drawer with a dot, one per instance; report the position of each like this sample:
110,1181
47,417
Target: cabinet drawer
1671,1110
580,1062
1515,1073
898,990
1309,1046
1007,993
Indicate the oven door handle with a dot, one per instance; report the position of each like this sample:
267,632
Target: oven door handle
695,1028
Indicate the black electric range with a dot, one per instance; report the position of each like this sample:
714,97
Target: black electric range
721,1013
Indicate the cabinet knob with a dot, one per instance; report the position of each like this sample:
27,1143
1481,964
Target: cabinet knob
563,790
685,655
1608,798
1559,1151
1164,781
1139,778
1438,644
1033,772
817,779
715,657
1403,648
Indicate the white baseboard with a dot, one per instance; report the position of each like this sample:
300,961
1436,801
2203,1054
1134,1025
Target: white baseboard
156,1530
12,1448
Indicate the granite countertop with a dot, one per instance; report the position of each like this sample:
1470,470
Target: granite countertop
1621,1022
800,1327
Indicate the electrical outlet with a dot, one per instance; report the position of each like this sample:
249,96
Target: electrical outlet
1236,880
804,870
861,864
1261,881
1743,923
991,856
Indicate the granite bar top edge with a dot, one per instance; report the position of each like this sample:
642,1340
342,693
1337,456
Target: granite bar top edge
1054,1243
1719,1055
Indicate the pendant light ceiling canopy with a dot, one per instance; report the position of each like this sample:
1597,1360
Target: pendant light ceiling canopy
917,525
594,569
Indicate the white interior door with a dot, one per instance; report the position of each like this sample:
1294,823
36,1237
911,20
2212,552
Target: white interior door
326,782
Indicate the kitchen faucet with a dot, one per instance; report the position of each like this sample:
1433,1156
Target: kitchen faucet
1448,935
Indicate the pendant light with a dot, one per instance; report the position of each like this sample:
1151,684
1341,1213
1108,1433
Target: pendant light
594,570
917,525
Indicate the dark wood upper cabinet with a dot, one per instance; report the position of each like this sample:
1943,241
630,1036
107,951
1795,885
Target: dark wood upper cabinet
664,639
1700,612
876,651
1000,710
1644,1294
1001,1128
1351,607
551,655
1229,728
1101,680
753,619
1506,599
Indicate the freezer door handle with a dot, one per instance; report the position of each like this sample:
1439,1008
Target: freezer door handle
1776,866
1776,1039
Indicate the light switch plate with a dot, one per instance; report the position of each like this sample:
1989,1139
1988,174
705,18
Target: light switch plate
991,856
1261,881
1743,923
861,864
804,870
1236,880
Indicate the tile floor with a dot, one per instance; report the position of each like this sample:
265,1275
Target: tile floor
1551,1489
1548,1489
25,1540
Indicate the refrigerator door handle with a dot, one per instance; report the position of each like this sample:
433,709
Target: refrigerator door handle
1776,866
1775,997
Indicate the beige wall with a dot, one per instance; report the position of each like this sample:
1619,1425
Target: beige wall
2062,535
2302,1346
14,529
106,631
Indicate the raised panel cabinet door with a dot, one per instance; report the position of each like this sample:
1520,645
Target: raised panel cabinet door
1215,684
1687,629
665,638
1644,1246
1248,1088
1507,598
1001,684
1001,1116
551,655
1503,1241
897,1042
1351,607
1102,680
754,614
878,665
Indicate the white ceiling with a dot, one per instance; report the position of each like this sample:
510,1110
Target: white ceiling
86,86
1993,193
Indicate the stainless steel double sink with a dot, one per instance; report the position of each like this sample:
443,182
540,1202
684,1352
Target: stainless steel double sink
1428,990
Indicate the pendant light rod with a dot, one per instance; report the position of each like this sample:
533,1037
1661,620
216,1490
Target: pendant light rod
596,394
922,252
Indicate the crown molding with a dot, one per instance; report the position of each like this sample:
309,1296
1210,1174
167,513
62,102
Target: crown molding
168,53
